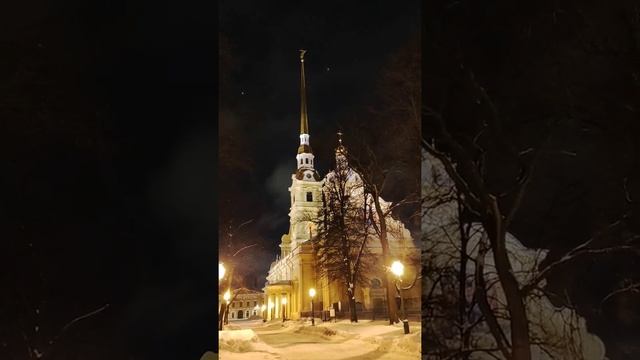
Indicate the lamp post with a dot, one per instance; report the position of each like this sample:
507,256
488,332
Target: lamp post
225,310
264,314
284,308
312,293
221,273
397,268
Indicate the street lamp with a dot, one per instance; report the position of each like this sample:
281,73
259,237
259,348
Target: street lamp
284,308
221,271
312,293
264,315
224,313
397,268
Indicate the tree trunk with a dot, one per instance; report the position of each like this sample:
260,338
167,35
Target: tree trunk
386,259
520,342
352,307
462,283
221,315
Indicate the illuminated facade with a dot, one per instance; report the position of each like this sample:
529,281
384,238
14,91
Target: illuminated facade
247,304
294,271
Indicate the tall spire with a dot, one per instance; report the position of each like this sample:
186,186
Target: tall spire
341,152
305,147
305,156
304,123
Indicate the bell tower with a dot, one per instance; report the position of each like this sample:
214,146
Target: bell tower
306,183
304,158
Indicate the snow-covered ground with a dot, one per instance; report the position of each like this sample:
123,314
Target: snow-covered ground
299,340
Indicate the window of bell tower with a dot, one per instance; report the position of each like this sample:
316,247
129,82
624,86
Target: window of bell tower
309,196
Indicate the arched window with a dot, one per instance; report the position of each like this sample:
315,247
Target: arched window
309,196
376,283
233,315
247,313
306,160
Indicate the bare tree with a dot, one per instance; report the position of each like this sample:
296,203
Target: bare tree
507,283
389,165
232,247
344,229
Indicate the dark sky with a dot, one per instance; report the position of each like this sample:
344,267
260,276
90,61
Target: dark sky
108,133
348,45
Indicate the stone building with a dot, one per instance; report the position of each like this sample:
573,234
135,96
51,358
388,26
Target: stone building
294,271
247,304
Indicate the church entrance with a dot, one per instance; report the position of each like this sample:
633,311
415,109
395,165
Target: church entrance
240,314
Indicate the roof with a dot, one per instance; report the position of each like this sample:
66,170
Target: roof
300,174
304,149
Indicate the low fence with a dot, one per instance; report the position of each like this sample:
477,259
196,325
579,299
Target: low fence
412,315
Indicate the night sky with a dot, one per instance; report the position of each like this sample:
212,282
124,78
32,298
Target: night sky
348,46
108,196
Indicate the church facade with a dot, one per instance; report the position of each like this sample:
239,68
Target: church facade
295,270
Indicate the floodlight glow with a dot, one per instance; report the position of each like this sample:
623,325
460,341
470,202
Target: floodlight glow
221,271
397,268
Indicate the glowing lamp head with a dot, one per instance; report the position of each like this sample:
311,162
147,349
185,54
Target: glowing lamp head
284,300
227,296
312,292
397,268
221,271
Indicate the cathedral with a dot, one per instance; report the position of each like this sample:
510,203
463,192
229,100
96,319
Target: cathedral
295,272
